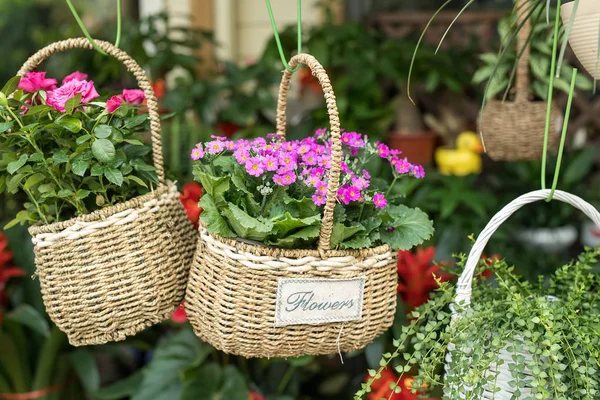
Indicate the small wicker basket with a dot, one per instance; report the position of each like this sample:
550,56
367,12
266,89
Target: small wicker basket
515,130
114,272
502,388
232,291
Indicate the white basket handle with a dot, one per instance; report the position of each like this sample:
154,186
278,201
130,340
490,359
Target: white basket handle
463,291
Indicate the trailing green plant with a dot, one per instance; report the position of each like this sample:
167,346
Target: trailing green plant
497,69
68,154
549,328
274,191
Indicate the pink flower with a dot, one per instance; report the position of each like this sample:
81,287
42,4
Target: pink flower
59,97
270,163
321,187
320,132
215,146
197,153
179,315
379,200
353,193
229,145
343,195
313,180
360,182
113,103
134,96
366,174
319,199
304,148
418,171
254,166
353,139
75,76
309,158
383,150
36,81
285,179
241,155
403,167
219,138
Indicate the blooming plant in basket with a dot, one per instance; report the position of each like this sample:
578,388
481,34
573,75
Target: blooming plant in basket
68,149
273,191
534,340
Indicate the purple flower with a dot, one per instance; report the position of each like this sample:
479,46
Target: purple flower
304,148
353,139
379,200
254,166
353,193
345,168
403,167
325,162
343,195
360,182
270,163
285,179
309,158
319,199
313,181
383,150
288,160
317,172
214,147
418,171
366,174
197,153
320,132
241,155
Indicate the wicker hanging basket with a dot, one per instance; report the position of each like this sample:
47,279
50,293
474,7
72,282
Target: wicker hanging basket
585,32
515,130
116,271
233,288
464,286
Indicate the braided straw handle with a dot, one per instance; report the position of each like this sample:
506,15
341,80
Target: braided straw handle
463,292
132,66
522,78
336,145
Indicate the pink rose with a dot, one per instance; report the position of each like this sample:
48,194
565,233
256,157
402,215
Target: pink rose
113,103
35,81
134,96
77,76
59,97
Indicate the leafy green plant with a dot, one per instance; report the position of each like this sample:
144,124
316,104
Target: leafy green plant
497,69
68,154
273,192
554,321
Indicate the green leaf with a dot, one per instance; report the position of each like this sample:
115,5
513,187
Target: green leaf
135,121
64,193
97,170
357,242
286,223
28,316
34,180
124,388
16,165
35,157
246,226
114,176
212,217
4,126
215,186
70,123
341,232
85,366
72,103
298,239
79,167
40,109
134,142
204,384
60,157
83,138
103,150
12,185
234,387
11,85
411,227
136,180
102,131
82,194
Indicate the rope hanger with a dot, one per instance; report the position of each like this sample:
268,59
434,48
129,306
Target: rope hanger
278,40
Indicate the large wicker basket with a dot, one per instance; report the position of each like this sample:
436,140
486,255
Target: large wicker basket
515,130
114,272
502,389
232,291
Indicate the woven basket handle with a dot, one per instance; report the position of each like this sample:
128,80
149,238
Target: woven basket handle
463,293
336,145
522,78
132,66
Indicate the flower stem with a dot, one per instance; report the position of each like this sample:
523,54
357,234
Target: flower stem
15,117
391,187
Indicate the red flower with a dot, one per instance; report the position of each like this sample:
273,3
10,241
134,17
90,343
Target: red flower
489,261
6,271
381,387
191,196
179,315
416,272
308,80
159,87
255,396
228,129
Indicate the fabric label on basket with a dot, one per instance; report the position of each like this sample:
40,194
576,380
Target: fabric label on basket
318,301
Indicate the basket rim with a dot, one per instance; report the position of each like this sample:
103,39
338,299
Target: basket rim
278,252
104,212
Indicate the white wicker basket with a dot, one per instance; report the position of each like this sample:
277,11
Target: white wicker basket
464,286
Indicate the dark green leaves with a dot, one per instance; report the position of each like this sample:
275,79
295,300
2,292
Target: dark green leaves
11,85
4,126
15,165
114,176
79,167
72,103
70,123
246,226
102,131
103,150
212,217
135,121
407,227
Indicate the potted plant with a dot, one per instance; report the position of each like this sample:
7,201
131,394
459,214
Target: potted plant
583,17
505,338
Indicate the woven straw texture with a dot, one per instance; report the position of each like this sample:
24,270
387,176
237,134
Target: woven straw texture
114,272
515,130
232,291
584,32
464,290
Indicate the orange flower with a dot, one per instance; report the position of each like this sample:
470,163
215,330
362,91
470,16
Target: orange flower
416,272
191,196
255,396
